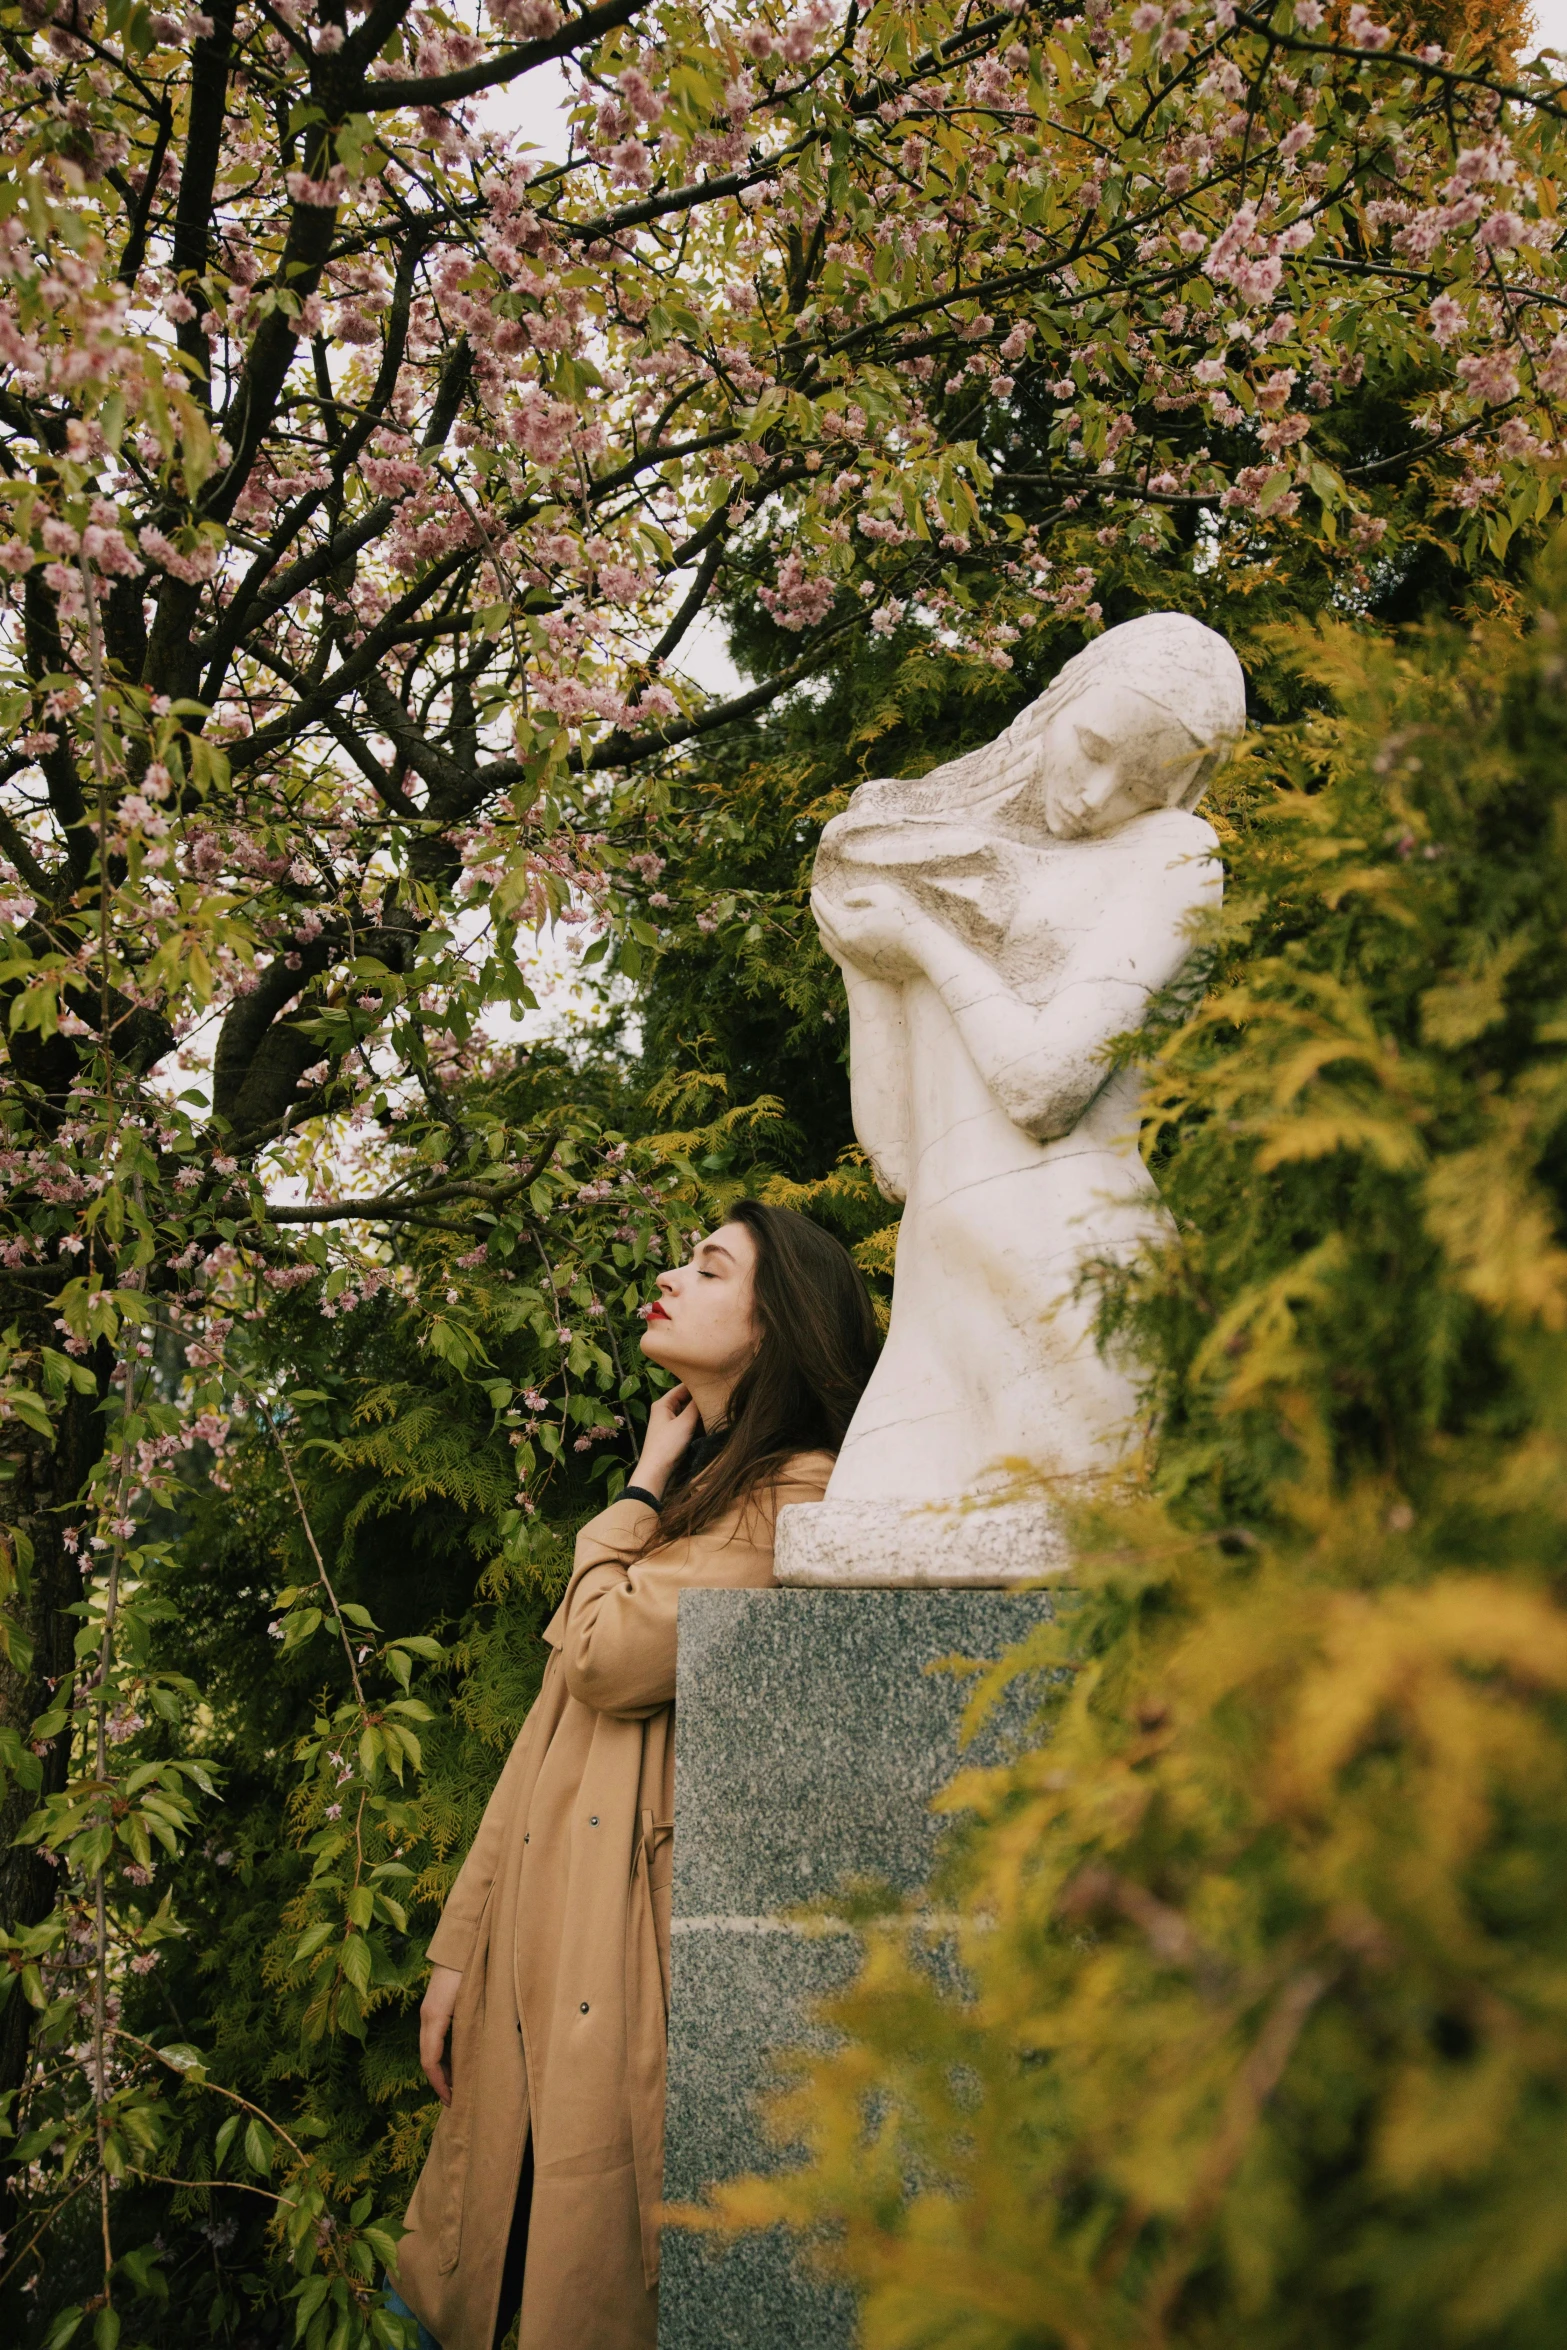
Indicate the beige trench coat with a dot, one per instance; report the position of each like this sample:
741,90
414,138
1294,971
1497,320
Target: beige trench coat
559,1921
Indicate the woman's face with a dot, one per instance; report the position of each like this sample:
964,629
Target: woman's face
703,1326
1108,756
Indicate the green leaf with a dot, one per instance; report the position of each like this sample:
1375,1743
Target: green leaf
311,2293
356,1962
311,1940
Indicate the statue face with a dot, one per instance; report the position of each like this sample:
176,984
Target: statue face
1106,756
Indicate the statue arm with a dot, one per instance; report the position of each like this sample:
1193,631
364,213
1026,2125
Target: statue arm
879,1078
1044,1062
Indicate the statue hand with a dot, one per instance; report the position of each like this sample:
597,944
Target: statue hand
871,925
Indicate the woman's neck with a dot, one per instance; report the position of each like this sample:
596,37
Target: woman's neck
712,1398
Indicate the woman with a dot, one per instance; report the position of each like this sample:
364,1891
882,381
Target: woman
551,1962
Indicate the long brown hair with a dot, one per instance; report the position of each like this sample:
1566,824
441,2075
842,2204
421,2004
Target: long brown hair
817,1346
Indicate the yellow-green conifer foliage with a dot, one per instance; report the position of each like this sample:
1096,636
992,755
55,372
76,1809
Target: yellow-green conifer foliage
1266,1940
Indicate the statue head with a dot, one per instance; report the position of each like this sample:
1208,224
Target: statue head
1139,719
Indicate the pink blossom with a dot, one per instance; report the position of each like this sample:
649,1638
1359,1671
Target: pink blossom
325,194
524,20
1501,232
110,551
1490,376
1447,318
1474,491
1551,373
312,316
631,164
193,568
799,601
1365,33
1519,443
1488,163
799,36
640,96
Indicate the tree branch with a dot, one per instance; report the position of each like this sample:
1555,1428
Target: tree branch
578,32
400,1205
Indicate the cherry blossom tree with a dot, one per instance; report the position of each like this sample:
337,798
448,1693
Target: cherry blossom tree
365,475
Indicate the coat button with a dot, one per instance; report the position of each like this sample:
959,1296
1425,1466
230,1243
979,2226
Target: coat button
594,1821
525,1836
584,2009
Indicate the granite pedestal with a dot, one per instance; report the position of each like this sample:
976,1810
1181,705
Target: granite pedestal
810,1739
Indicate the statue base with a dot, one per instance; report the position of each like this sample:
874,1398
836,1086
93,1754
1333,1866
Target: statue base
879,1545
812,1735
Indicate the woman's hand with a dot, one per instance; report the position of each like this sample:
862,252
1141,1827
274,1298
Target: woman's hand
435,2021
871,925
671,1424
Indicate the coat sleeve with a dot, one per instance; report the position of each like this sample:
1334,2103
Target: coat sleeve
618,1623
453,1940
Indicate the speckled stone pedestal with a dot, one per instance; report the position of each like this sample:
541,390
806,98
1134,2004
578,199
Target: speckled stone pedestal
810,1739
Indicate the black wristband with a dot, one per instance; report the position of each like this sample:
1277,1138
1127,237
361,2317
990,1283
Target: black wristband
640,1493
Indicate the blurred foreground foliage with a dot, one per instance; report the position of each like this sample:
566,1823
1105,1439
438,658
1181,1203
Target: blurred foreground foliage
1266,1939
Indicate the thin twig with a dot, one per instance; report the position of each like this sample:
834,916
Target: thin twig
218,2088
11,2267
325,1580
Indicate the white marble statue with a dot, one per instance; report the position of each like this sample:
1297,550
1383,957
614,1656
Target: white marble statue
999,922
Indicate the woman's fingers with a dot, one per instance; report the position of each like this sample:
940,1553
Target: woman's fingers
435,2020
432,2055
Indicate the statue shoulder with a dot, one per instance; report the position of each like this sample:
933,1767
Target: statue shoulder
1177,824
1171,832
